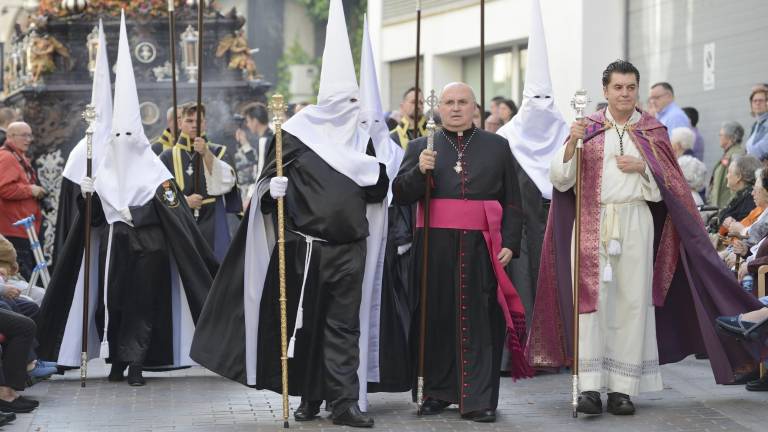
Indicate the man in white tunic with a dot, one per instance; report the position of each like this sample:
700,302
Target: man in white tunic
648,281
617,343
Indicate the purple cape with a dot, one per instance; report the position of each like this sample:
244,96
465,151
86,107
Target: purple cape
692,286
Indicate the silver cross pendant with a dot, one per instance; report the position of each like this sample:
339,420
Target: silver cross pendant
458,167
190,170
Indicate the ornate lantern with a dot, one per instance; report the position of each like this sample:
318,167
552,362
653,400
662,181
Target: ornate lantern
73,6
189,60
92,43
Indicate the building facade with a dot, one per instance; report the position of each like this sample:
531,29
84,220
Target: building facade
711,51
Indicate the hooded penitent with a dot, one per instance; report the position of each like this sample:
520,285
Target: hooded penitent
240,300
130,172
538,129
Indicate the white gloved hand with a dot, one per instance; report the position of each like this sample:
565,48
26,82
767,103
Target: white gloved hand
278,186
403,249
86,186
126,214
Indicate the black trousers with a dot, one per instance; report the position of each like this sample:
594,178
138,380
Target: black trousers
19,334
326,358
24,256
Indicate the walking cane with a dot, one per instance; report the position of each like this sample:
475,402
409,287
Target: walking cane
431,102
277,106
416,115
90,117
41,265
198,157
172,32
579,103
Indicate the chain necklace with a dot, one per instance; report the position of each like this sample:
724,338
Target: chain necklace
459,167
621,136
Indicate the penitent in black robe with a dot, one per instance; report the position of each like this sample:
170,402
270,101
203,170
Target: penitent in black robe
139,296
322,203
213,221
66,213
465,324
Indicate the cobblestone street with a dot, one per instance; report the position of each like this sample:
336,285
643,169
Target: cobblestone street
197,400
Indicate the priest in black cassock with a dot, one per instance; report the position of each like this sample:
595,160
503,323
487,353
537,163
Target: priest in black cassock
150,267
475,230
216,192
329,182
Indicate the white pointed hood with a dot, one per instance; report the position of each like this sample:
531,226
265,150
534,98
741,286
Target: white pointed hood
538,129
330,128
101,99
372,118
130,172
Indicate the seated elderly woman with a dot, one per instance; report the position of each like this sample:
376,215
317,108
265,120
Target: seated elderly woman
694,170
731,134
740,179
747,237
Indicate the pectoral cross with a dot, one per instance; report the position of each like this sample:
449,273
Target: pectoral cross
458,168
190,170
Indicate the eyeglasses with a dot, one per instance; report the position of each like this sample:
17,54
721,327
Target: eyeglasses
23,135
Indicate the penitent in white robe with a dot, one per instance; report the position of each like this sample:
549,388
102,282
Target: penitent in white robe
617,343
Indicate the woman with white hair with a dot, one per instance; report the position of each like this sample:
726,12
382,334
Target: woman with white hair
694,170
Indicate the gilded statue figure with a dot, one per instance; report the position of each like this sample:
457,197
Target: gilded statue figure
239,54
41,55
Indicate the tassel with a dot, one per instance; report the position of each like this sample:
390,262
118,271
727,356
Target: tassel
291,347
300,318
614,247
608,273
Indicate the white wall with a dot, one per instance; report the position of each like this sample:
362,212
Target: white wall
583,36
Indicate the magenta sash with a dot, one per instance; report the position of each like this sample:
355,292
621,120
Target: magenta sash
486,216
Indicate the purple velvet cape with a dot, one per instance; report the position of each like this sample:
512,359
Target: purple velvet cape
692,286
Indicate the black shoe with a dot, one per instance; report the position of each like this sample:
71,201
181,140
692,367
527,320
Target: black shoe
6,418
619,404
18,405
703,356
433,406
116,373
353,417
590,403
307,410
758,384
481,416
135,378
741,378
740,329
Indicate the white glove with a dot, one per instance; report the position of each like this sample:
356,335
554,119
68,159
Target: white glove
126,214
86,186
403,249
278,186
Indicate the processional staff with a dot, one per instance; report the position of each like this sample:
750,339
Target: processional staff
416,114
431,127
482,64
172,33
199,120
277,105
579,104
90,117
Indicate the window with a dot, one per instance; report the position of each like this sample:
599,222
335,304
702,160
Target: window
504,73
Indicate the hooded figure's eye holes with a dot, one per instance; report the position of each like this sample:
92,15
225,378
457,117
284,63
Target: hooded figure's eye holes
128,133
117,134
353,100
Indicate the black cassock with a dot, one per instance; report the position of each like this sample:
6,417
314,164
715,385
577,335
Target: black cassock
212,221
465,324
322,203
139,295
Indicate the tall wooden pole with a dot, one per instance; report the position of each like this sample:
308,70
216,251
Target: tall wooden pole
431,101
416,113
172,32
90,117
579,104
278,109
482,64
199,120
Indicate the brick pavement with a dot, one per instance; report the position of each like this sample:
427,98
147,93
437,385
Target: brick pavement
197,400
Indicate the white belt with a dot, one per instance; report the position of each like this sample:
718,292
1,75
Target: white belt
299,323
